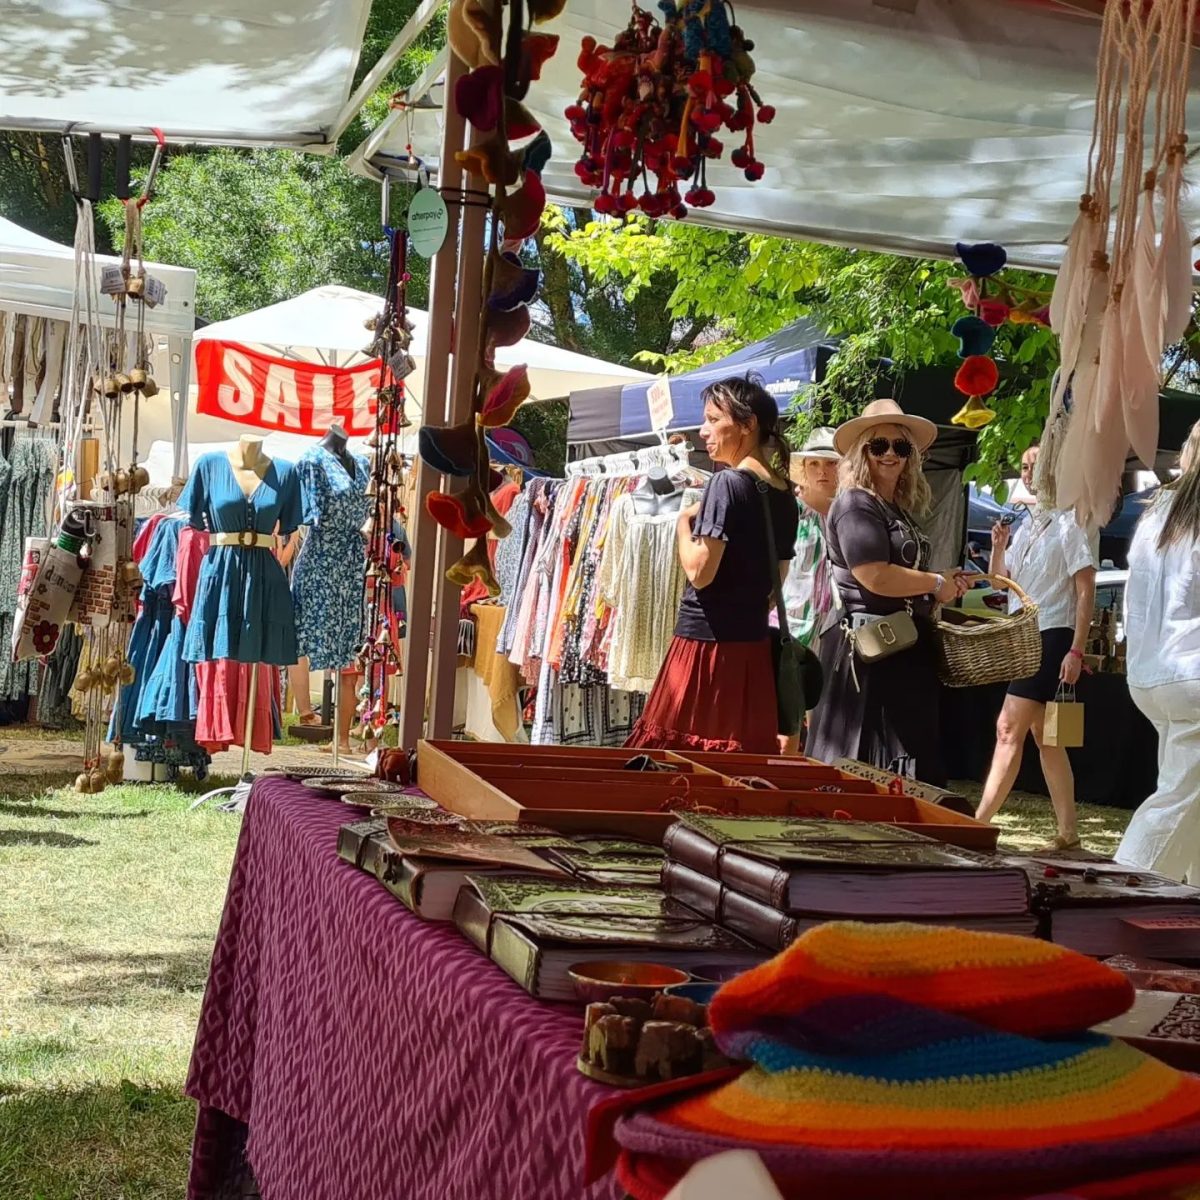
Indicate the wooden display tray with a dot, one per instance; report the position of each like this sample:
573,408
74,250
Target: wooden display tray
585,790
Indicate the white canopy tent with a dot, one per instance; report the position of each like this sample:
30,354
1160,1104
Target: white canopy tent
328,326
234,72
902,125
37,279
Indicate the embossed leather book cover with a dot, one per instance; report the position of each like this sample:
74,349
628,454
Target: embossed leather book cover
845,868
536,929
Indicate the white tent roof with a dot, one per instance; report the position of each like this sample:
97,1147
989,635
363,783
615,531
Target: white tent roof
229,71
332,319
37,276
904,125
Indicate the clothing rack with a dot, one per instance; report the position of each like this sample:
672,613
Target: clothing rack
632,462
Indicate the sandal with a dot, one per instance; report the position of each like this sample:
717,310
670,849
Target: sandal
309,718
1060,845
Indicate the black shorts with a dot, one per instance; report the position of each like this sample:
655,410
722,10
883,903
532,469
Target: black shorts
1043,686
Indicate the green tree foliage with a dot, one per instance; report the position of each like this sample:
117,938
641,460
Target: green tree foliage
262,226
880,306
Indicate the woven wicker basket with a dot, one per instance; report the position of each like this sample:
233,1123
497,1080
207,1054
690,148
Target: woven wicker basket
994,651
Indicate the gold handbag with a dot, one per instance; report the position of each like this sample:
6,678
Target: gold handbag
876,640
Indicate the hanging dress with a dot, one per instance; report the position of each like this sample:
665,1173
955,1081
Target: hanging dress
243,608
151,632
327,581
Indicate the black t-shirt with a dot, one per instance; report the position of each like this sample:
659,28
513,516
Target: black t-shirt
734,606
862,529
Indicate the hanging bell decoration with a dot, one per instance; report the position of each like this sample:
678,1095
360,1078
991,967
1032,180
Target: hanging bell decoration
139,477
127,674
131,575
111,387
368,529
372,487
114,768
135,286
137,376
119,482
111,670
124,384
85,681
149,389
97,780
373,438
83,783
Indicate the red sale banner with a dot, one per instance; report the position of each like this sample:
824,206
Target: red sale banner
242,385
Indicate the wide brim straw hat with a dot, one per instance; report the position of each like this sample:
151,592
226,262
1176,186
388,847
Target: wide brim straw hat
884,412
909,1060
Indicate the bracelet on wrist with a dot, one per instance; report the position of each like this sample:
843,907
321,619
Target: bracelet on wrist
1073,653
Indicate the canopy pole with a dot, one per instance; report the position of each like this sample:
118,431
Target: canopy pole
468,319
422,529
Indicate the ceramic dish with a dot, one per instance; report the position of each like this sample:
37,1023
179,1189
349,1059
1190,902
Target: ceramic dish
418,818
698,993
596,982
333,783
374,798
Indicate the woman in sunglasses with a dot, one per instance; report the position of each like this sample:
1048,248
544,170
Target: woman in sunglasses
884,711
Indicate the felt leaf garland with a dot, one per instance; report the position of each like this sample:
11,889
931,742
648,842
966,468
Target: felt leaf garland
504,62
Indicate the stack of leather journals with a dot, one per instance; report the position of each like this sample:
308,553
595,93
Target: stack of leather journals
770,879
535,929
1101,909
424,867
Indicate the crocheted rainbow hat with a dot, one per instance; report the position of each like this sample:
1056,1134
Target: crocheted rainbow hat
905,1060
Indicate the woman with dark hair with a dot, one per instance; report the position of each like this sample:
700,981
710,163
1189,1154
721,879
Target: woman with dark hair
1162,631
716,687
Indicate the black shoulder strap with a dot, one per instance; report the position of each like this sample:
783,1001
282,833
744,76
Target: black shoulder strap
773,560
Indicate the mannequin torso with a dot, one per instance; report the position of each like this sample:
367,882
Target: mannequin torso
336,442
250,464
656,494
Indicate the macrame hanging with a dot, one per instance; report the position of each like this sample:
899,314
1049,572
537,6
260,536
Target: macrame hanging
1124,291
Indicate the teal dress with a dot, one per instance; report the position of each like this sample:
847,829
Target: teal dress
243,608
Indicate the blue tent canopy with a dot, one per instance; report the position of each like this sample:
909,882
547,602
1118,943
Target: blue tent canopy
787,362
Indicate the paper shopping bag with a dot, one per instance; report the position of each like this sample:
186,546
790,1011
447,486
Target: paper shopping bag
1063,726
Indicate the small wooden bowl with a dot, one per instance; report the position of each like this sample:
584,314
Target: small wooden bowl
596,982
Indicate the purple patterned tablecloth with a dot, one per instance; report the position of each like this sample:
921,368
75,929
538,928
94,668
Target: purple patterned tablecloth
353,1051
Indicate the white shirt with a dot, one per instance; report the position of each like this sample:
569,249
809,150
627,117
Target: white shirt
1162,605
1045,554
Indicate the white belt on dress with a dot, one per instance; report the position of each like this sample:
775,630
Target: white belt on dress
247,538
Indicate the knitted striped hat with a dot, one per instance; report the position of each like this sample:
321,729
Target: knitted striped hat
905,1060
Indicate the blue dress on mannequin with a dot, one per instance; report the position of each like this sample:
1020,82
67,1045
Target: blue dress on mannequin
327,583
243,608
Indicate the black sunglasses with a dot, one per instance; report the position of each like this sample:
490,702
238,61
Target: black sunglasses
878,447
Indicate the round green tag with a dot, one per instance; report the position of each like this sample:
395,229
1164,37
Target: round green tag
428,221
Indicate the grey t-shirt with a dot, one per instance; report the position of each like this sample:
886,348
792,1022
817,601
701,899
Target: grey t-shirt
864,529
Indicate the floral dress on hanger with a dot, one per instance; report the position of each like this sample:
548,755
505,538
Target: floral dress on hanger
243,608
327,581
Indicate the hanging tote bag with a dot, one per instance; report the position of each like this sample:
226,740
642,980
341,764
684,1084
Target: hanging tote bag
798,675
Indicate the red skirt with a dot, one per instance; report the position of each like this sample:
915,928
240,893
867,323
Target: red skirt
711,696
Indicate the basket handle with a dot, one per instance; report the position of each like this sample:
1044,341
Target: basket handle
1012,584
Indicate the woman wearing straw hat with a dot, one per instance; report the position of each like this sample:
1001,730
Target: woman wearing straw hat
807,589
883,712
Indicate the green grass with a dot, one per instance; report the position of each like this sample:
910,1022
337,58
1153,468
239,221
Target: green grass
108,909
